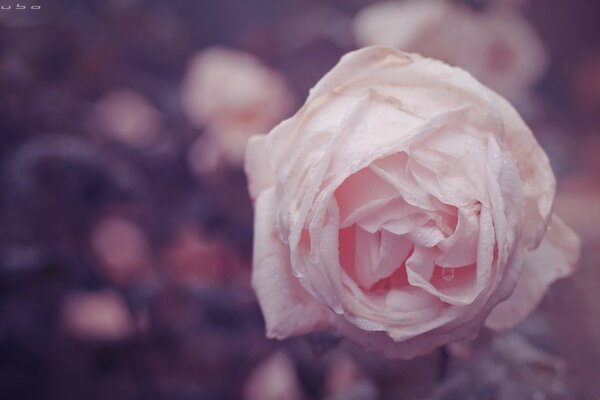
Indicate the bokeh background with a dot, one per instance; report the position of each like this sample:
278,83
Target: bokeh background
126,228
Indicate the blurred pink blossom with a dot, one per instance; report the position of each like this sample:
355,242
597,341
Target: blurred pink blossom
231,95
274,379
121,249
96,316
346,380
498,45
578,202
127,117
192,259
585,87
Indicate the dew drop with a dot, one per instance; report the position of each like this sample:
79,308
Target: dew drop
338,309
447,274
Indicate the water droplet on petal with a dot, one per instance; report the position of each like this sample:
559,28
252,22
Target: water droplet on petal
447,274
338,309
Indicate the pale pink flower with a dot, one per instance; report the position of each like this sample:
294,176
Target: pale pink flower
498,46
401,205
231,95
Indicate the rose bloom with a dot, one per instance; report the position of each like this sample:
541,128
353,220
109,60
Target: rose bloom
401,205
231,95
497,45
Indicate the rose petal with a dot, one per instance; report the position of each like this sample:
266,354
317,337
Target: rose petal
361,193
464,286
287,307
426,236
419,266
539,184
378,255
393,169
409,299
460,248
555,258
396,216
455,161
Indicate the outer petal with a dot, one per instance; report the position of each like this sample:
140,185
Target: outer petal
257,168
539,183
555,258
288,309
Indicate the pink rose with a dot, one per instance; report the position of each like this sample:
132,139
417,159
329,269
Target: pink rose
401,205
231,95
498,46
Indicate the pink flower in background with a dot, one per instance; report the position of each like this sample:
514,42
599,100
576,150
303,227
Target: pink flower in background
127,117
577,203
498,46
231,95
347,380
274,379
401,205
96,316
196,260
122,250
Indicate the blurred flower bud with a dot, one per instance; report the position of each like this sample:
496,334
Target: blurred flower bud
498,45
346,381
577,201
96,316
231,95
192,259
274,379
122,250
125,116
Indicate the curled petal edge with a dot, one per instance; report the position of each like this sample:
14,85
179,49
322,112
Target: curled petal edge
287,308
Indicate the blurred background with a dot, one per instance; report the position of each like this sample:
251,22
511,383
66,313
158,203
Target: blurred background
126,228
